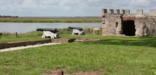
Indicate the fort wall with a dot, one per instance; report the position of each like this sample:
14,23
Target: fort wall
116,20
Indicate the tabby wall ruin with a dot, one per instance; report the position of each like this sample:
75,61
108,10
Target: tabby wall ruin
122,22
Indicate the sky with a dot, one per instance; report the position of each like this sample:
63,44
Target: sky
69,7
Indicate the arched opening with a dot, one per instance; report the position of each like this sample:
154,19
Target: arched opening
116,25
128,28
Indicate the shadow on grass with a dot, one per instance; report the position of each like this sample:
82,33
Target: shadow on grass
128,41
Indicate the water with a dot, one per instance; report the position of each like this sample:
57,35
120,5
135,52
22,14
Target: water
28,27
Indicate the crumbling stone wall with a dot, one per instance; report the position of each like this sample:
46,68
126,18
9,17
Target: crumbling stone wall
112,25
145,26
112,21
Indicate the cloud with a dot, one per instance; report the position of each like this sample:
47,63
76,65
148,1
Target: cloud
141,2
68,7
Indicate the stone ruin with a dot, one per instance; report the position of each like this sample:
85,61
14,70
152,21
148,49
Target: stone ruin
123,22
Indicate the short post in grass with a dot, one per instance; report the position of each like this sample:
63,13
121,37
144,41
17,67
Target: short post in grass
16,34
1,35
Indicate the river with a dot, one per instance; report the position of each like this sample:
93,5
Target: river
29,27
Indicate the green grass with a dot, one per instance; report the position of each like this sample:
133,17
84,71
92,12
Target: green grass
51,20
64,33
32,36
21,37
111,55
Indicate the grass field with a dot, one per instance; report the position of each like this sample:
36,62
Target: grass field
110,55
31,36
51,20
21,37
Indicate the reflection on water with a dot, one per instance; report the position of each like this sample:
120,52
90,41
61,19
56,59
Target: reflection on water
28,27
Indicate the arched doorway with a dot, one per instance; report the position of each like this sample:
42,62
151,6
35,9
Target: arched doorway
128,28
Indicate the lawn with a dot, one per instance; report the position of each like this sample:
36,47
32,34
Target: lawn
31,36
110,55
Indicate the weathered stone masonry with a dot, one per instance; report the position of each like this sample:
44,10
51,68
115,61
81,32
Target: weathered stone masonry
122,22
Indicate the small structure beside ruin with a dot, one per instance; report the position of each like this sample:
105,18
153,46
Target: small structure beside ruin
123,22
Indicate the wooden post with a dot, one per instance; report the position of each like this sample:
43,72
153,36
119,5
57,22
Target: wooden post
17,34
1,35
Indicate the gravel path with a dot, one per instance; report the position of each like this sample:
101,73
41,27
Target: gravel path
25,47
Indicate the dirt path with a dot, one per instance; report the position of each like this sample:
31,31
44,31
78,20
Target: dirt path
25,47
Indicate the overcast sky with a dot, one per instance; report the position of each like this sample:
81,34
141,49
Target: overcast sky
68,7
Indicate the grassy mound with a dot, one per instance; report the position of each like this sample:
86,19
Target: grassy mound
111,55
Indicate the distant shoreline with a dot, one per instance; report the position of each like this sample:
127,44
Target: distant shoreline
52,20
